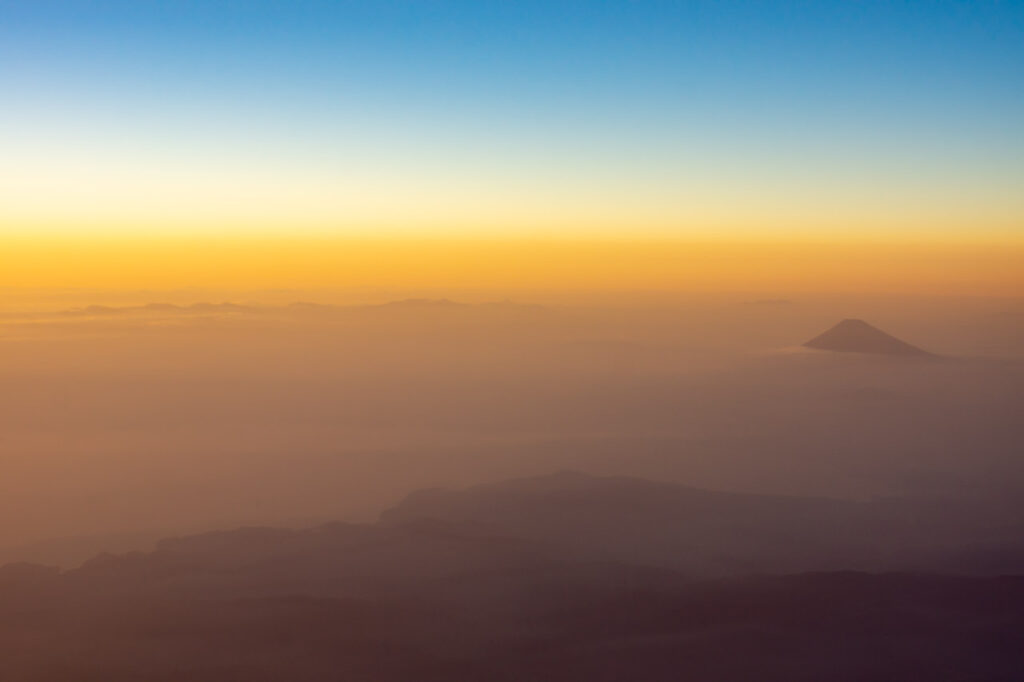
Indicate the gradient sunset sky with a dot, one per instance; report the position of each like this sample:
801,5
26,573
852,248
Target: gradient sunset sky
652,144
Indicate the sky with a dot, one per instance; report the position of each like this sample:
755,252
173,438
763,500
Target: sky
127,126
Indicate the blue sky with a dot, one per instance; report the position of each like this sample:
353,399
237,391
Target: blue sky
708,104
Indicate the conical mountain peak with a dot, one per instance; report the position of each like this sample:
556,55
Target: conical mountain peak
857,336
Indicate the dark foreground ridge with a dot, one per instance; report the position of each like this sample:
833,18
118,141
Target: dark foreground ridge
857,336
471,586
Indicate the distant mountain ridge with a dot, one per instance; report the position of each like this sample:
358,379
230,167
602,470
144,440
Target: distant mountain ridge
525,579
408,304
707,532
577,516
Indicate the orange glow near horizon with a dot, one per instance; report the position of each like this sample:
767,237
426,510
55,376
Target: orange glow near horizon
961,266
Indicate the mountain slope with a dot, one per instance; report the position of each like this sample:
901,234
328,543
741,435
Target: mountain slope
857,336
704,532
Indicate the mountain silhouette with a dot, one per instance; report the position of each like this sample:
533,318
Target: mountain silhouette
550,577
857,336
703,533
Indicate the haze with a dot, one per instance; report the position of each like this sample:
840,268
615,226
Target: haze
463,340
294,413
